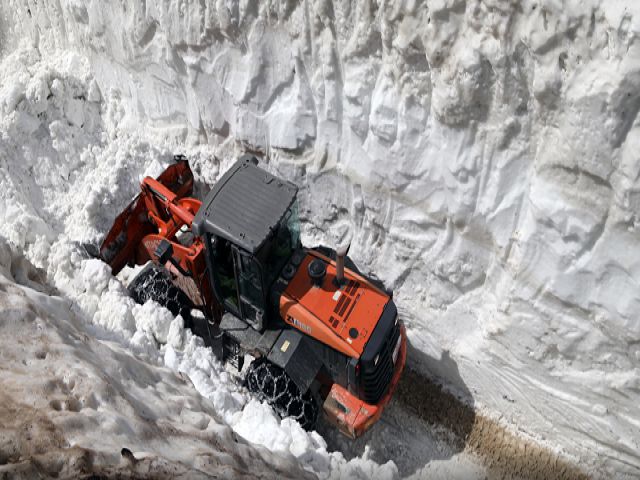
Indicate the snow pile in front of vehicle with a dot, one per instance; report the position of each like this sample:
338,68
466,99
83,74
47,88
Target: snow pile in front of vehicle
76,402
151,331
67,170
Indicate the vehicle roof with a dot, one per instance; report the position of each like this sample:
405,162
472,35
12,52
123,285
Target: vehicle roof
245,205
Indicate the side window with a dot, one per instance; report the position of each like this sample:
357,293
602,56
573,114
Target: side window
250,288
250,281
223,268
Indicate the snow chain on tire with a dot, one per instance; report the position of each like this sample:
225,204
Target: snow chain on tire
271,383
153,283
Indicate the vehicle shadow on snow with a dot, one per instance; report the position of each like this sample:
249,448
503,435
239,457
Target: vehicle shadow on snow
422,423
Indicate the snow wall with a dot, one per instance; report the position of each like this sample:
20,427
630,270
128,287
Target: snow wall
484,154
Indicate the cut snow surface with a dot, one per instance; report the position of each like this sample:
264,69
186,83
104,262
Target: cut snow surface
483,155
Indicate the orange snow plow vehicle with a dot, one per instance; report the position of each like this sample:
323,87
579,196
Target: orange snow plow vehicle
319,334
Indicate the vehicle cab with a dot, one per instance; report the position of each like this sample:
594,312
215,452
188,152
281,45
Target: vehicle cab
251,230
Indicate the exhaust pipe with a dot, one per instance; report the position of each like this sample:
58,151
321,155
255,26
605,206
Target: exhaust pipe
341,252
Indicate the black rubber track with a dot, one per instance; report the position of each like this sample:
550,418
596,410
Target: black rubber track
271,383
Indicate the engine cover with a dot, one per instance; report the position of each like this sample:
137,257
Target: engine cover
342,317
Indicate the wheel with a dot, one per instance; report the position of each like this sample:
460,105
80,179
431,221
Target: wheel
271,383
154,283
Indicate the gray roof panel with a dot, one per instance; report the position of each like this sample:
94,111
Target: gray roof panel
245,205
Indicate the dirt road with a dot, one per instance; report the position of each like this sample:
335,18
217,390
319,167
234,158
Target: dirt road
426,429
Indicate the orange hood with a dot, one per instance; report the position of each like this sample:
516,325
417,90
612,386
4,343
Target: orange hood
342,318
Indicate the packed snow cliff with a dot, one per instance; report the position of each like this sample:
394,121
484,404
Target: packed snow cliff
484,155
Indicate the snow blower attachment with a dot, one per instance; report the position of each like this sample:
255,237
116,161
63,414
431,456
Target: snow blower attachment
320,333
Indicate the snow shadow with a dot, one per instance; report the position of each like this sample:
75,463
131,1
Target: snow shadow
424,422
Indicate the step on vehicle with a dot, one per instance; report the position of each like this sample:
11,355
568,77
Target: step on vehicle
322,335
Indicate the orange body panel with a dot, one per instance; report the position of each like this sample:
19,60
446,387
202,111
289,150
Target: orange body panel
331,314
354,416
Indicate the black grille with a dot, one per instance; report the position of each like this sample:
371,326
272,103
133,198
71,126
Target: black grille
375,378
343,298
344,307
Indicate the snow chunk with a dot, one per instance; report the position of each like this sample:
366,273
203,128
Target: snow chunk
96,276
115,312
153,318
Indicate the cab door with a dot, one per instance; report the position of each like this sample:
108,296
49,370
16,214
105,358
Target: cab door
221,264
250,289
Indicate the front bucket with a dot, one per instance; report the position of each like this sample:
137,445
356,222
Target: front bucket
121,243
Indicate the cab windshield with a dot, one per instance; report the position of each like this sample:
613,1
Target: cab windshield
278,248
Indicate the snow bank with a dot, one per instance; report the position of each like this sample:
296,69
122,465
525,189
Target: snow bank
484,154
72,405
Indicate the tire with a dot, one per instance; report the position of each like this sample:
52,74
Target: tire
154,283
272,384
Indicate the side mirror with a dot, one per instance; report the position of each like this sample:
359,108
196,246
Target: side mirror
164,252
